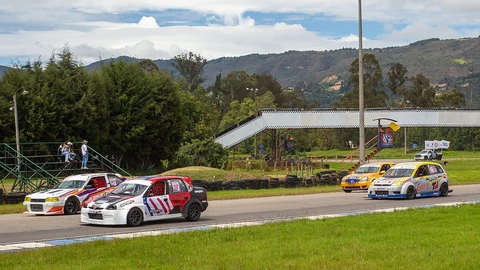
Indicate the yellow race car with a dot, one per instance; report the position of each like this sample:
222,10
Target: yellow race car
364,175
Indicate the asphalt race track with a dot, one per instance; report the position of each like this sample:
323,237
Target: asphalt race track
24,228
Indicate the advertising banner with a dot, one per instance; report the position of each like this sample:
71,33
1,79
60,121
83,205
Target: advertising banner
437,144
386,139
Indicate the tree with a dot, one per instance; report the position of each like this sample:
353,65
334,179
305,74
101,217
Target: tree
190,67
201,153
235,86
202,121
455,99
374,97
238,112
421,93
397,76
267,83
145,123
148,66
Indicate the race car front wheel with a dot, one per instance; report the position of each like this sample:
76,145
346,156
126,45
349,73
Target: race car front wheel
193,213
71,206
410,193
134,217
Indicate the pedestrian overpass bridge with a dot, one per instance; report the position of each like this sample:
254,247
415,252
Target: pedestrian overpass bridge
345,118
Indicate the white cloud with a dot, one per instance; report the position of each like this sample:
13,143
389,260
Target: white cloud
148,22
109,28
419,31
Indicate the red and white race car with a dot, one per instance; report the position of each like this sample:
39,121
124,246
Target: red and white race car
70,194
147,198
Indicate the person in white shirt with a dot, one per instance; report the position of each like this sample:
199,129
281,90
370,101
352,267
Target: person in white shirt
84,154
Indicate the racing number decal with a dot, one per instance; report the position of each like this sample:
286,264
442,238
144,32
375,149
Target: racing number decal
158,205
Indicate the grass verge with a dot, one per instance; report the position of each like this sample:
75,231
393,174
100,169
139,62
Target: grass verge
411,239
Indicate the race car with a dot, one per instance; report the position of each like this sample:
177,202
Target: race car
70,194
361,178
147,198
410,180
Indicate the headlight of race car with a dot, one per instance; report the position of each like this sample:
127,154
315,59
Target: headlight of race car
51,199
397,183
344,179
363,179
111,207
27,199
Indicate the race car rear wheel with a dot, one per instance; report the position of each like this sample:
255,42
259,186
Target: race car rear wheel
444,190
71,206
410,193
193,213
134,217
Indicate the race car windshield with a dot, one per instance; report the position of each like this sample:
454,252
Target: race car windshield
399,172
369,169
71,184
129,189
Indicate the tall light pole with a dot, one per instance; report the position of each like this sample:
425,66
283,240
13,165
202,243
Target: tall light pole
17,132
254,90
361,103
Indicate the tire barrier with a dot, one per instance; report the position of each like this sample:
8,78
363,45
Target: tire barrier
14,198
290,181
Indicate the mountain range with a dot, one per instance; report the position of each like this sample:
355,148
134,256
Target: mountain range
453,63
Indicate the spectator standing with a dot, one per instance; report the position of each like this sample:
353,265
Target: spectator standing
84,154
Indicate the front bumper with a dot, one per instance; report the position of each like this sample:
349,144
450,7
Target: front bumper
103,216
45,208
356,186
385,192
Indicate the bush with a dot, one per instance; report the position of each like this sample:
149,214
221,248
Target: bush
202,153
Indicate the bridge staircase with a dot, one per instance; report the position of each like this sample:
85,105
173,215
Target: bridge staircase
37,166
371,147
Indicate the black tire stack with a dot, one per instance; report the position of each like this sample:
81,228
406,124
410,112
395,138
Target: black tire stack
291,181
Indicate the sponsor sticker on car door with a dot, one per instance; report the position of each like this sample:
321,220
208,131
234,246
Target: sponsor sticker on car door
156,201
158,205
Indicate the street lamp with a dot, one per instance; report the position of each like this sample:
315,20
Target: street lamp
17,133
254,90
361,103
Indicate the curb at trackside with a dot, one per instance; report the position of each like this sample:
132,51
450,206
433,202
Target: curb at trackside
69,241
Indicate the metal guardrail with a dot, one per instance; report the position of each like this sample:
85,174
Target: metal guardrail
38,166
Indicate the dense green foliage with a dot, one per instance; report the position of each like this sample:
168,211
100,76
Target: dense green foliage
142,116
125,112
202,153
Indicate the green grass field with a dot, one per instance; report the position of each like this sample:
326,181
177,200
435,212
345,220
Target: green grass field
436,238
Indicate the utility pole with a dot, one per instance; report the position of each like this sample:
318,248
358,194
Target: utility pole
361,102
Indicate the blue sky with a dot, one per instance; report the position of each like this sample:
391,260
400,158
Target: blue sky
159,29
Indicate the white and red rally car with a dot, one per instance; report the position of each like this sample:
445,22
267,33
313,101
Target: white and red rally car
147,198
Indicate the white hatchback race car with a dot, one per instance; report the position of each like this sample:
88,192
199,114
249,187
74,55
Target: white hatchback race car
410,180
147,198
70,194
